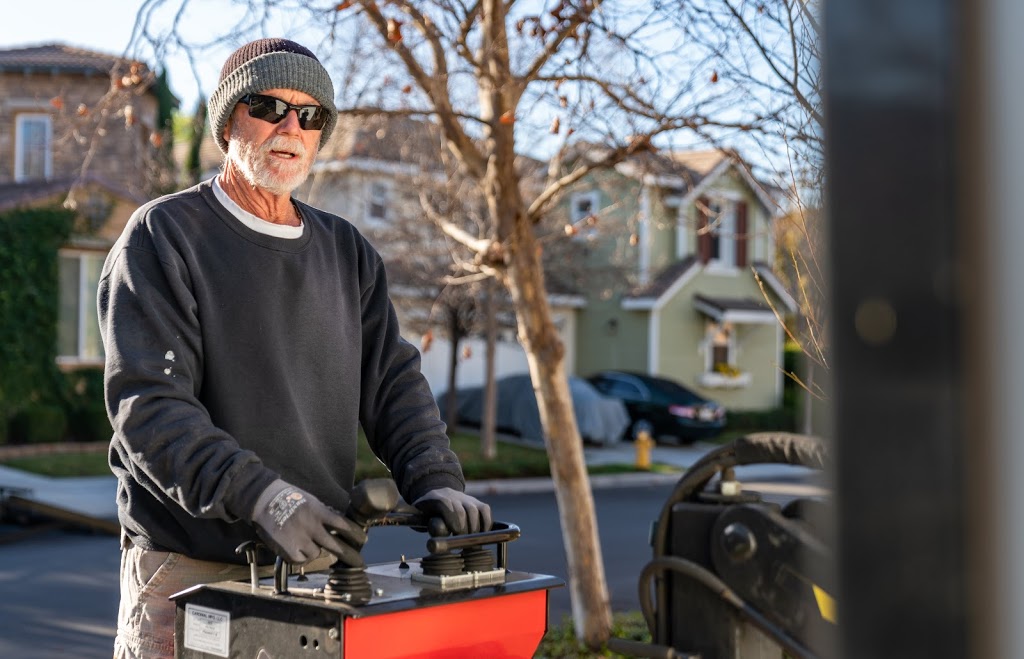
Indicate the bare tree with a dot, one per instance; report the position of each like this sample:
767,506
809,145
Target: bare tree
497,77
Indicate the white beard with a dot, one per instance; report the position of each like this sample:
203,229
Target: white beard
255,163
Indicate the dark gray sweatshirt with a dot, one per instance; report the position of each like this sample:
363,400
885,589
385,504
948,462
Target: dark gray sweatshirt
234,358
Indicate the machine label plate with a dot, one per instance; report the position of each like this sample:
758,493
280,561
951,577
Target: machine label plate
207,630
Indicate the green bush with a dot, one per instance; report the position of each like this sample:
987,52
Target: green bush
782,418
83,400
29,240
39,424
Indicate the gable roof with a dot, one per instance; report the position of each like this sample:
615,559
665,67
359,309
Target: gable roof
60,58
692,172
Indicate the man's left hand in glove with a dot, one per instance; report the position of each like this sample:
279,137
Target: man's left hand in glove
461,513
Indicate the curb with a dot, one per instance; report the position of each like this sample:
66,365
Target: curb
534,485
28,450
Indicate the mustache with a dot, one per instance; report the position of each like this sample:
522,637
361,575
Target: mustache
283,143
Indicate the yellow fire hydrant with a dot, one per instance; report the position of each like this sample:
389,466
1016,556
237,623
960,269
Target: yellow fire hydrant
643,444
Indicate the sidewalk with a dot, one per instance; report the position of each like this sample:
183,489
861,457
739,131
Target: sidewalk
95,496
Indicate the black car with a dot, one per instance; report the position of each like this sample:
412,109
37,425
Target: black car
671,409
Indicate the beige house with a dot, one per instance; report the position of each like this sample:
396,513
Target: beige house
372,173
78,129
681,247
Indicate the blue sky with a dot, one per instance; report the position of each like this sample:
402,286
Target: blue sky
105,26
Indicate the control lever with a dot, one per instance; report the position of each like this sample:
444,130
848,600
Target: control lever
371,499
251,549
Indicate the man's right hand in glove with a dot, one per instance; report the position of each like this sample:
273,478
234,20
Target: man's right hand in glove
296,525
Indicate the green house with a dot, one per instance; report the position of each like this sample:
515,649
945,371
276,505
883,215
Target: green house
680,248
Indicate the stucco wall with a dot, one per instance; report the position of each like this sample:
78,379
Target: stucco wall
119,153
680,354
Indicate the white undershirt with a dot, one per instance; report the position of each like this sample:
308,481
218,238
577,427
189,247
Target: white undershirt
255,223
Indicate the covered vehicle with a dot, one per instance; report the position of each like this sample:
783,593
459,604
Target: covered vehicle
601,420
671,410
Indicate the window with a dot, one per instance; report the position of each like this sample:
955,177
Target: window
583,208
377,208
721,343
32,158
623,390
720,356
78,332
722,231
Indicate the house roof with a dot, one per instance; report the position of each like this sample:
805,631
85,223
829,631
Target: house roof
691,172
385,138
676,274
734,309
385,141
662,281
34,193
60,58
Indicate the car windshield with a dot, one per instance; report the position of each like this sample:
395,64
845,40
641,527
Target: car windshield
673,392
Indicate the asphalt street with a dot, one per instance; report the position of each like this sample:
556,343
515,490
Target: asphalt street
60,587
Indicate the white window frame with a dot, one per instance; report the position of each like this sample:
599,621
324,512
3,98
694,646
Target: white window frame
591,197
578,218
723,227
84,355
710,331
378,192
19,144
711,378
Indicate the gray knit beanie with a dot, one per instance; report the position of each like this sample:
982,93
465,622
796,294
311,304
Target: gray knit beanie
270,64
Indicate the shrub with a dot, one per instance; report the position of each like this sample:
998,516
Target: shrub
38,424
83,400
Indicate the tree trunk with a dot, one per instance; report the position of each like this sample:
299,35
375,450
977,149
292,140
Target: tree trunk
488,441
524,277
588,588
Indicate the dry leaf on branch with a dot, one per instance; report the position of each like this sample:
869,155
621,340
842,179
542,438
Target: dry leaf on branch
394,30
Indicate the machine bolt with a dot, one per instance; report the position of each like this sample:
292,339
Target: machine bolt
333,634
378,592
738,542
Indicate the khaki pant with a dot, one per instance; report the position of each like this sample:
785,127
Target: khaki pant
145,617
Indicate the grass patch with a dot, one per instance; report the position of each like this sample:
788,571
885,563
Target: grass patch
87,463
560,641
513,461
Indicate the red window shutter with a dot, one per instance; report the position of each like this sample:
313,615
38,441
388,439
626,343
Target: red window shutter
703,237
741,234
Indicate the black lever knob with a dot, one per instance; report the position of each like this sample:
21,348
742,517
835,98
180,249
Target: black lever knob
372,498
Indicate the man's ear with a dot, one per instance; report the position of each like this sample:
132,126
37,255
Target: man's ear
227,129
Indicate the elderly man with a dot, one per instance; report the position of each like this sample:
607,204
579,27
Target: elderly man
248,338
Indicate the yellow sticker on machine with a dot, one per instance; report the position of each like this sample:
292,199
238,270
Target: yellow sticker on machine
826,605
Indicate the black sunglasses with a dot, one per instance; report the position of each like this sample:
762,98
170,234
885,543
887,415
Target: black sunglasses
274,110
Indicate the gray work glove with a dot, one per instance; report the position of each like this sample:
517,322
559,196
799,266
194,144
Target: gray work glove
295,525
461,513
